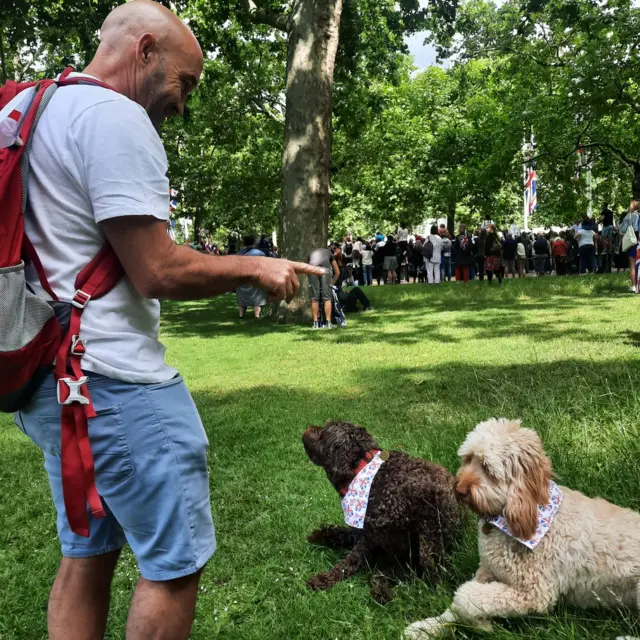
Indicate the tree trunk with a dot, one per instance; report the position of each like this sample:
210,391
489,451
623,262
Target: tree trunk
451,217
3,64
306,163
635,185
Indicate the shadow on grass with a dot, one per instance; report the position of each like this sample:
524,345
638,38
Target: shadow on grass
497,312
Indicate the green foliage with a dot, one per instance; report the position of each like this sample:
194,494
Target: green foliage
570,73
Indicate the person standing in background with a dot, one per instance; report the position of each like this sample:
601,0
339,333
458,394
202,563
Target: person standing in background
445,263
321,285
367,264
509,253
390,265
493,254
464,258
246,295
521,254
433,263
559,251
587,239
402,236
481,240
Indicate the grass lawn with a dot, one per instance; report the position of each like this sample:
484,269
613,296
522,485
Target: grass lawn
419,373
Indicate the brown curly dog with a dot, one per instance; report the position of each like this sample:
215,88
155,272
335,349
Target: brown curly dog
412,518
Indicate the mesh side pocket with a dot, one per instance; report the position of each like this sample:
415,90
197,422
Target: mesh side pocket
22,313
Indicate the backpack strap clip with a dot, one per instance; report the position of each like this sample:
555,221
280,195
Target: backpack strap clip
78,346
80,299
70,391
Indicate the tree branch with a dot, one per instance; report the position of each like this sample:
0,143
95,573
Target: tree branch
268,111
273,19
631,164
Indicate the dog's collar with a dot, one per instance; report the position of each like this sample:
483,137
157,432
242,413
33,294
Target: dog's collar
368,457
546,515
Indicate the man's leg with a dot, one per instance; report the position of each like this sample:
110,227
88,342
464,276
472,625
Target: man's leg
436,273
79,600
328,308
242,311
257,311
315,310
358,295
163,610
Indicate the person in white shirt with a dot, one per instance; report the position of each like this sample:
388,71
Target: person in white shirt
98,173
367,263
587,238
433,263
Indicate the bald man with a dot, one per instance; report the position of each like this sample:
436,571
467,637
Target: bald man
98,172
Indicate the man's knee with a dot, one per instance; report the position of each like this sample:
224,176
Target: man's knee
95,569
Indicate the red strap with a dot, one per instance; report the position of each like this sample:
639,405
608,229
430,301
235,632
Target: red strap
65,73
29,252
78,478
78,474
101,274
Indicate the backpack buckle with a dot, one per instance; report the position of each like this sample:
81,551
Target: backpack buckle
69,392
80,299
78,346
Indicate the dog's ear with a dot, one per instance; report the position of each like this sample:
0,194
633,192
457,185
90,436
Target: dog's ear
529,489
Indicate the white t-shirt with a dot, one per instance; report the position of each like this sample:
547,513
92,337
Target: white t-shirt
436,241
402,235
585,237
367,257
95,155
520,250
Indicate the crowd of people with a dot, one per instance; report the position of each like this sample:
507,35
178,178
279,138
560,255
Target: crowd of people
589,245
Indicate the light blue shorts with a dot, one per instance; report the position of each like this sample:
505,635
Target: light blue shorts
150,453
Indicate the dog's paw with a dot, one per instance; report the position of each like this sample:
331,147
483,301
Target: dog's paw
429,628
319,582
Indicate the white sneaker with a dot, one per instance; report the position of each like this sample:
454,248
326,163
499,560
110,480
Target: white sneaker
330,326
315,325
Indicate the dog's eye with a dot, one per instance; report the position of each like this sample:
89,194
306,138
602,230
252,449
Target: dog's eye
486,468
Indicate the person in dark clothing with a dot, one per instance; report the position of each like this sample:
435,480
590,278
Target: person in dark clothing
481,242
542,252
390,264
417,260
509,250
265,245
493,255
378,261
349,299
463,250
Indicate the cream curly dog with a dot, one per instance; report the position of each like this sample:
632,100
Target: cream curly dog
589,556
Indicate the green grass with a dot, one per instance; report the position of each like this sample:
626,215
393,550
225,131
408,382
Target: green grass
431,362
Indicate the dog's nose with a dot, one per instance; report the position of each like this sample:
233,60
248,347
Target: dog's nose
462,489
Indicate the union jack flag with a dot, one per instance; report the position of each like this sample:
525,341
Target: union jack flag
530,182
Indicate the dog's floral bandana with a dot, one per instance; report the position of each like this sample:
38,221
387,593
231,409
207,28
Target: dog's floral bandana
546,515
355,501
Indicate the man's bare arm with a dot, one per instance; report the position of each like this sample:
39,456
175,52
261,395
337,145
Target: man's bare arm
158,268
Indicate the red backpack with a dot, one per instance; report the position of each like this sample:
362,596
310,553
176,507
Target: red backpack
40,336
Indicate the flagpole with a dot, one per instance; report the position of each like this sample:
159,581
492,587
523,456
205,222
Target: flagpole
524,174
526,203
